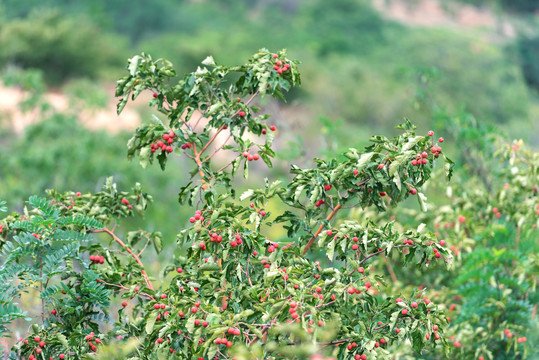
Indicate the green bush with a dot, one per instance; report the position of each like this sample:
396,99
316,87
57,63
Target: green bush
61,46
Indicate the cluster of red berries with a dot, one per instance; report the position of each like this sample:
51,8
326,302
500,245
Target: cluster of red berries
320,202
496,213
279,66
186,146
250,157
38,350
272,128
196,217
168,138
91,337
97,259
126,203
420,159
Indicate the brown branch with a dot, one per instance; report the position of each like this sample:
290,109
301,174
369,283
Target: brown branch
390,269
330,216
123,245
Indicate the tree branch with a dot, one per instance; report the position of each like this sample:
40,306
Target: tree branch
330,216
135,256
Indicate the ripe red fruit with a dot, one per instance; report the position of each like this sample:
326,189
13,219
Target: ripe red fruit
36,339
383,193
263,213
462,219
271,249
367,285
78,193
275,56
124,304
125,201
363,357
42,343
318,289
404,311
414,162
351,290
62,356
413,191
442,242
397,330
194,309
329,232
192,220
154,95
361,270
398,300
264,131
456,344
241,113
320,323
430,133
53,312
355,247
327,187
197,322
437,255
441,140
256,157
273,128
381,166
414,305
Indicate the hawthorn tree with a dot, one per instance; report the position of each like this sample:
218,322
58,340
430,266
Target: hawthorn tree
231,290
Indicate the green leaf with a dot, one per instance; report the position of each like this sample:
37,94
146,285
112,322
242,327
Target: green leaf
364,160
145,154
150,323
209,61
422,199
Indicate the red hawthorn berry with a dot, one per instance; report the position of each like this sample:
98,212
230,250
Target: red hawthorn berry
154,95
437,255
273,128
263,213
368,285
441,140
397,330
442,242
42,343
62,356
250,157
124,304
276,67
192,220
241,113
194,309
498,215
279,71
381,166
424,161
125,201
78,193
197,303
255,253
233,243
413,191
271,249
318,289
333,297
53,312
430,133
275,56
36,339
436,336
363,357
197,322
356,171
414,162
38,351
169,149
351,290
456,344
264,131
157,306
328,187
163,306
383,193
355,247
414,305
404,312
361,270
329,232
256,157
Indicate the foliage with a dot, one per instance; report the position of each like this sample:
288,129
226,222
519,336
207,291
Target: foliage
63,47
231,289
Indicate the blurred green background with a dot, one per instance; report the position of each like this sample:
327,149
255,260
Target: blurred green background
365,66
